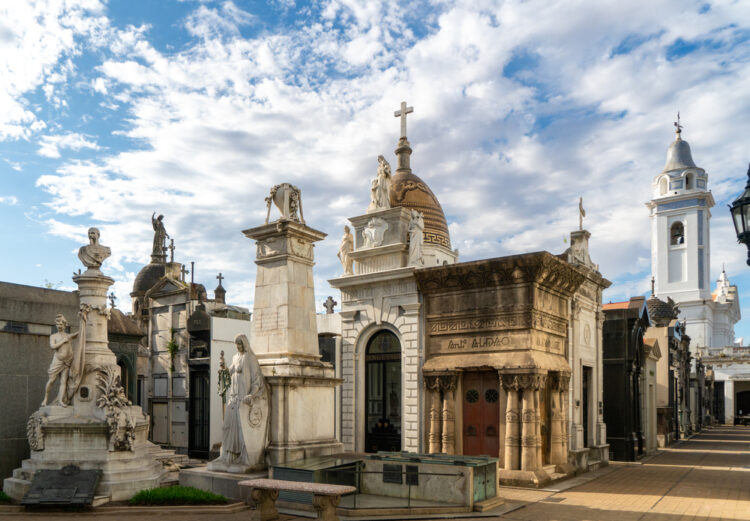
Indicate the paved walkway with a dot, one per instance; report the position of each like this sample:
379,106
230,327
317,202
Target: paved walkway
704,478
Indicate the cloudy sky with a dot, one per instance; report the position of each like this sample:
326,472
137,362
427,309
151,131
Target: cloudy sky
110,111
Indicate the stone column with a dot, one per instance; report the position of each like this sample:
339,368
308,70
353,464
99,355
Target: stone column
434,433
538,428
448,385
92,288
528,430
558,452
512,430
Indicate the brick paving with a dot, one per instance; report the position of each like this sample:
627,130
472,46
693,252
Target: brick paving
704,478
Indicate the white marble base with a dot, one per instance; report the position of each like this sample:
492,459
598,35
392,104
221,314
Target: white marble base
70,439
302,410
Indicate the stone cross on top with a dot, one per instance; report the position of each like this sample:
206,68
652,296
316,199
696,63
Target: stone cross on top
402,114
171,250
329,304
184,272
220,277
677,124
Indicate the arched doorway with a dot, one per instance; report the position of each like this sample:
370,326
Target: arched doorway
383,393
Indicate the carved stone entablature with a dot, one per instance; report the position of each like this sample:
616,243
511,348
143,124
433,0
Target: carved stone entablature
547,322
541,268
518,382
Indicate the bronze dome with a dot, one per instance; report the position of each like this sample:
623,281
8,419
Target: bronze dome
409,191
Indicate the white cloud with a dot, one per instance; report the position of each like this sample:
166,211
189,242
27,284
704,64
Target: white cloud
35,38
9,200
520,108
50,146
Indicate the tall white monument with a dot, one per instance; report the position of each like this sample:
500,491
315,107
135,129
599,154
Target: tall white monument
285,336
90,424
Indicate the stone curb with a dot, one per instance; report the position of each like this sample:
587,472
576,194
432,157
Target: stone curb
139,510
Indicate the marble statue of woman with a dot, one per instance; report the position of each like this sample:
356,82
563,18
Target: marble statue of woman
416,237
245,429
380,198
345,250
160,234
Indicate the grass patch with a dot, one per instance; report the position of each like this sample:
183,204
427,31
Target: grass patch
4,498
177,495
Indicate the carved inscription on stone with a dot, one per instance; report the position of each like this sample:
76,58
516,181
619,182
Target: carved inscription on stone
476,343
442,327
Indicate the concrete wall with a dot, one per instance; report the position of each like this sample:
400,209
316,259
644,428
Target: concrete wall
24,359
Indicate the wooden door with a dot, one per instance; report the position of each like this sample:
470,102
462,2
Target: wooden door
481,413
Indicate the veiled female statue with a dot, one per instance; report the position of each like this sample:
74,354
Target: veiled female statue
245,428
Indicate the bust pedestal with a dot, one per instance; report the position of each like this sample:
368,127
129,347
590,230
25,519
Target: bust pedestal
285,341
90,432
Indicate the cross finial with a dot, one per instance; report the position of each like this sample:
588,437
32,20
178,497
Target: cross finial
112,299
171,250
401,113
220,277
184,272
581,213
677,124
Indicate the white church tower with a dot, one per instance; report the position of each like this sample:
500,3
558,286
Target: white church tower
680,240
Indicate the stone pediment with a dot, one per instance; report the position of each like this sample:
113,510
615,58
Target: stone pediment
166,286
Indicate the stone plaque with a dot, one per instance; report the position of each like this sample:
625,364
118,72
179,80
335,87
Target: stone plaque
67,486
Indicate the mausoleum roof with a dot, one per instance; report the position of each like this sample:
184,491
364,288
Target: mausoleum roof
409,191
121,324
147,278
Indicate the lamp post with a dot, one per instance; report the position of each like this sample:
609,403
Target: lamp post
740,209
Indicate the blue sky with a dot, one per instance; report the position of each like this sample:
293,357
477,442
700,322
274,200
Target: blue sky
112,110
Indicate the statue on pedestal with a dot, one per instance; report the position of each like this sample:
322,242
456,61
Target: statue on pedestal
59,369
93,254
160,235
288,199
380,198
245,428
345,250
416,238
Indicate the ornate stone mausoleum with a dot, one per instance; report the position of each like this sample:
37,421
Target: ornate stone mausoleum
496,374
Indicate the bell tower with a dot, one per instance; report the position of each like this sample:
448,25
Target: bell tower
680,241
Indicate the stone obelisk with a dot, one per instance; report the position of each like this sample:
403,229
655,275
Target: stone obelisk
285,336
92,424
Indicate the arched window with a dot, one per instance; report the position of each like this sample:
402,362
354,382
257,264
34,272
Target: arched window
677,234
688,182
663,186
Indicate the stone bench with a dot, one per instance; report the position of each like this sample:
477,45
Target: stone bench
264,492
